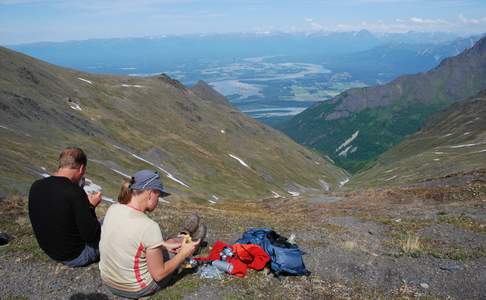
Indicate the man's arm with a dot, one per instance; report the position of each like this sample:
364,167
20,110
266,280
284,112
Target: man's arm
85,217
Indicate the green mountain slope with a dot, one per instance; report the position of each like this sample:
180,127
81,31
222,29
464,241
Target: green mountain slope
452,141
360,124
205,149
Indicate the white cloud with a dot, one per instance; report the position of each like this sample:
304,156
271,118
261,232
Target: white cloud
314,25
467,21
427,21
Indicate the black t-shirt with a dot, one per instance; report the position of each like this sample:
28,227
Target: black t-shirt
62,217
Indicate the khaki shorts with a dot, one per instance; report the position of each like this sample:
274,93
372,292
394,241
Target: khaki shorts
146,291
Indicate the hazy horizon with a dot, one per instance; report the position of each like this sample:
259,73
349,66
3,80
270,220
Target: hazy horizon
29,21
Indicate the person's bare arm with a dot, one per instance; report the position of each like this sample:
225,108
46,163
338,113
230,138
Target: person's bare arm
159,269
172,245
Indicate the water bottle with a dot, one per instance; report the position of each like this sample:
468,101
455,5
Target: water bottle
223,266
225,253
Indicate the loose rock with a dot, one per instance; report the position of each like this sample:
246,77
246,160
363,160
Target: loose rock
4,238
424,285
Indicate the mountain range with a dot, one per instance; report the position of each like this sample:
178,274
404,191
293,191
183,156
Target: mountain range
204,148
358,125
384,63
207,150
156,54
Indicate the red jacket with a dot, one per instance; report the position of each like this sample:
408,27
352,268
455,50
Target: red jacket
246,256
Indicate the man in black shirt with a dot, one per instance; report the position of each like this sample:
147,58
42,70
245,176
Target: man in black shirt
63,216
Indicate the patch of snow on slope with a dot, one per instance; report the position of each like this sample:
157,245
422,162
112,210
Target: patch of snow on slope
133,85
45,175
121,173
345,151
465,145
75,106
222,131
85,80
239,160
391,178
294,194
348,141
330,159
211,201
275,194
481,151
15,131
169,175
449,134
439,153
436,159
342,183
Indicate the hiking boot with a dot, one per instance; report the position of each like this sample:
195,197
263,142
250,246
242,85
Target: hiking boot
190,224
200,233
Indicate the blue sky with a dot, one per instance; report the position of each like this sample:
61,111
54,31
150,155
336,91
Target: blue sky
23,21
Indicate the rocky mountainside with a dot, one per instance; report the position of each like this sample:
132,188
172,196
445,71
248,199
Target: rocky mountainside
206,92
204,149
452,142
358,125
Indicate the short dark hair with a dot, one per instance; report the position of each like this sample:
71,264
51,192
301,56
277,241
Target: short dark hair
72,158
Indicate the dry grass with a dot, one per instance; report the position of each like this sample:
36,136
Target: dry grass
411,245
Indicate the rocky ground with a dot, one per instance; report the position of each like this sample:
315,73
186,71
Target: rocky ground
420,242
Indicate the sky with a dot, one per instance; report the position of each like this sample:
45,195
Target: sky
26,21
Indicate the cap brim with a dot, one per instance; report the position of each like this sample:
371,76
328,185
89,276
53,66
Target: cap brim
164,194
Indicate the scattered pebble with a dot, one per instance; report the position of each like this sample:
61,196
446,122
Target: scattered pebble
424,285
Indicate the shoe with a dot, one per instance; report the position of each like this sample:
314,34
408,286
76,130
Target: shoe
200,233
190,224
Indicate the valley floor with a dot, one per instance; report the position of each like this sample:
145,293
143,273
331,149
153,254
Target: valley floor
420,242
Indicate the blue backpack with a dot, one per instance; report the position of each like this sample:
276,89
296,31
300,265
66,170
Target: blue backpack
285,258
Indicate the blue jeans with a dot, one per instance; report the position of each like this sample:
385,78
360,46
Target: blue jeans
89,255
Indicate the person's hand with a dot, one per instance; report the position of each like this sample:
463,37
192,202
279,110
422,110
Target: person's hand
187,249
173,246
94,198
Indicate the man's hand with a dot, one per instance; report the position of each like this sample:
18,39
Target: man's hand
187,249
94,198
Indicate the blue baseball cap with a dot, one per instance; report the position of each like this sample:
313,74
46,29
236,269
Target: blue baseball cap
148,180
